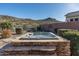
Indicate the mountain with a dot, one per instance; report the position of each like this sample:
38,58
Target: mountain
27,21
49,19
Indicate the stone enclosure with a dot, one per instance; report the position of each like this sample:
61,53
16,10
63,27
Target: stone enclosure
20,47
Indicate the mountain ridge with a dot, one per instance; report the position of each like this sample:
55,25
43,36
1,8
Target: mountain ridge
27,21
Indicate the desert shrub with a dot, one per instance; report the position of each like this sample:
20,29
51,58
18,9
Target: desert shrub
6,29
19,31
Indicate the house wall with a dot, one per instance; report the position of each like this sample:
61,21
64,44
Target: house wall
71,17
61,25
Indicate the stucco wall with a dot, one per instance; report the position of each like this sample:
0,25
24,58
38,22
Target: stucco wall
61,25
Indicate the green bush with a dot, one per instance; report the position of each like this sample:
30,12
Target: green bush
69,34
7,25
73,36
60,32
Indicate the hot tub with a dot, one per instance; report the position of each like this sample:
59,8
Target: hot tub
39,36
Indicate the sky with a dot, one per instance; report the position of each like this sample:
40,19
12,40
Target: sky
38,10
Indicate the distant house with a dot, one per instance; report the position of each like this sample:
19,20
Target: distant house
72,16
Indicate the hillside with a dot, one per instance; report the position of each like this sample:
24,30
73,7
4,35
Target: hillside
26,21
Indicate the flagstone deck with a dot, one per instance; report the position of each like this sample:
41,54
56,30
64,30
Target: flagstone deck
5,41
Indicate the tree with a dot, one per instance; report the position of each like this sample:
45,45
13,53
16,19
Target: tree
6,25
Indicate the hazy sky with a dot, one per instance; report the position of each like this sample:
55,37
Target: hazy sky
38,11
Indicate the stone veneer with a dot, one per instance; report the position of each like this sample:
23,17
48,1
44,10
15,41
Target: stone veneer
62,48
